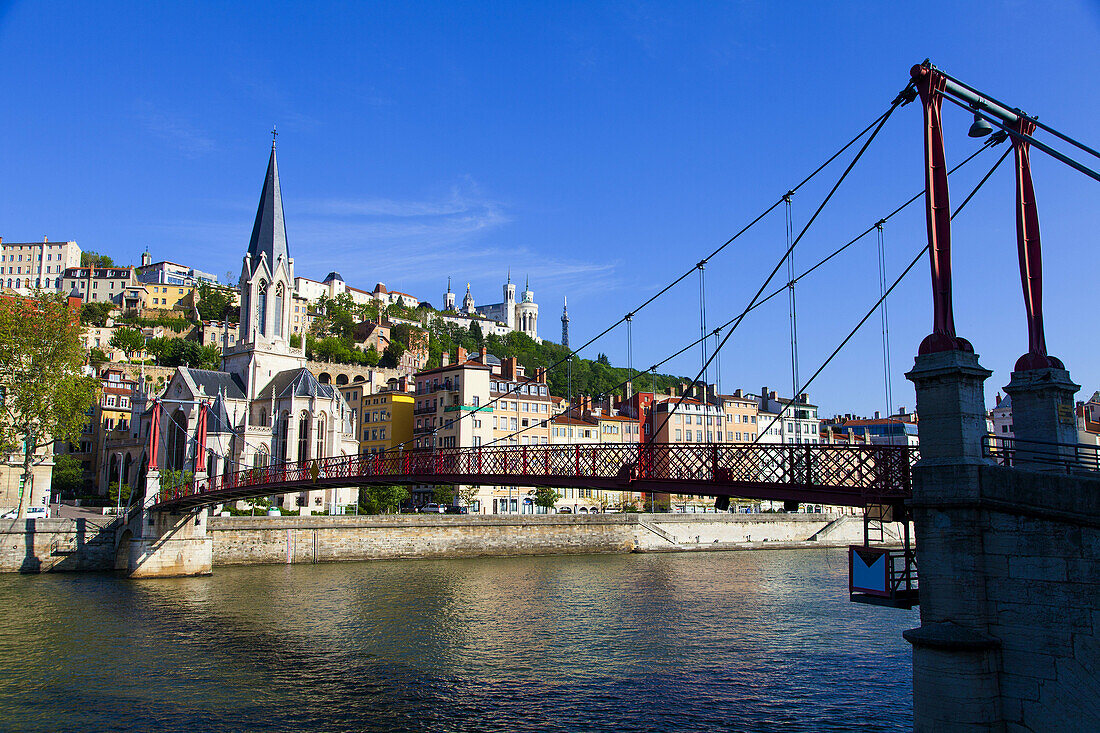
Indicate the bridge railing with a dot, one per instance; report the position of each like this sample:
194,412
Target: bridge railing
865,471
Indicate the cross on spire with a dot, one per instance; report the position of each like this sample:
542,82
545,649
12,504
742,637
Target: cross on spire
274,134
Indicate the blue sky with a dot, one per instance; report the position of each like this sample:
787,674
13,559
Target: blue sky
602,148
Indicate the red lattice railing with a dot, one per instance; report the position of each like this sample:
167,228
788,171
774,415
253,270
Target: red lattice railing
849,474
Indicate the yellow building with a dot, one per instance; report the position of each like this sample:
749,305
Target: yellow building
385,418
165,297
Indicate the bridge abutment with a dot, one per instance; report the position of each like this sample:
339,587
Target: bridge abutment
1009,565
158,544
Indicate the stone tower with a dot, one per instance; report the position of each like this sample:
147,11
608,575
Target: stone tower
510,303
448,298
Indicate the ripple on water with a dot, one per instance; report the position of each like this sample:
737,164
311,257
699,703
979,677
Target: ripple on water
753,641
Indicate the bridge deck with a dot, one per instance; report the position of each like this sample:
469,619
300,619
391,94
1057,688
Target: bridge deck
829,474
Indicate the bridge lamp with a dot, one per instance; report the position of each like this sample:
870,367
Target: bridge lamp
980,127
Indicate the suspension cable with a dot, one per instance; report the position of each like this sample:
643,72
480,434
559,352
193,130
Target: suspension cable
791,302
903,97
896,103
863,320
703,361
884,318
991,142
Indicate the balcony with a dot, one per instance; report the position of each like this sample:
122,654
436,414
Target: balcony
468,408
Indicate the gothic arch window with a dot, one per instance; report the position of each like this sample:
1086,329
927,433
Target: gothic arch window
261,459
177,440
320,436
261,309
278,331
281,437
303,437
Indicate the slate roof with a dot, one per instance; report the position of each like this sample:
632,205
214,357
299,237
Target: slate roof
269,230
218,420
216,383
297,383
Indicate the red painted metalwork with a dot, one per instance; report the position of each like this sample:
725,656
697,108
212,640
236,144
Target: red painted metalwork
200,439
154,437
827,474
1031,254
930,85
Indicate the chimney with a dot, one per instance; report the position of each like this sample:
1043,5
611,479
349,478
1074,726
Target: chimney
445,360
461,358
876,415
737,393
508,367
901,410
773,395
484,351
804,398
763,393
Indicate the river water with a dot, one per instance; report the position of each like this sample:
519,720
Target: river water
743,641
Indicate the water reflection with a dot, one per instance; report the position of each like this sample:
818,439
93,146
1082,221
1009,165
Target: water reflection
736,641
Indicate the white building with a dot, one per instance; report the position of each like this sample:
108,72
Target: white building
512,316
798,425
28,266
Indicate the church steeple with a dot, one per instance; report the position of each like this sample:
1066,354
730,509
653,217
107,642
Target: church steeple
269,230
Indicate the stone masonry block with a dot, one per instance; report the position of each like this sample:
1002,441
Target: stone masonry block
1037,568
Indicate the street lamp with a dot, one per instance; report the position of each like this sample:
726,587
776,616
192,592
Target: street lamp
118,508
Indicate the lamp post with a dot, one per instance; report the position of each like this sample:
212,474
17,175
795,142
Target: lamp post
118,496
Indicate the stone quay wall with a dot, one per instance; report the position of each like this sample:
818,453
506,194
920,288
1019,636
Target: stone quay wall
58,545
246,540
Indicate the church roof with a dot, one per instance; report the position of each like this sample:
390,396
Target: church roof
333,276
269,230
297,383
218,420
216,383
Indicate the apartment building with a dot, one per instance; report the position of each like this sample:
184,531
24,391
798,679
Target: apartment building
799,423
739,418
99,284
171,273
28,266
385,417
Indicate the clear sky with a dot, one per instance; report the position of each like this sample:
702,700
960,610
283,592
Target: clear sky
601,148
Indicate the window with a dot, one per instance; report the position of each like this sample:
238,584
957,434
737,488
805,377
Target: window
678,434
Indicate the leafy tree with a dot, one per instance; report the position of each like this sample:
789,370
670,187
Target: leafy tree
601,358
385,499
371,355
216,304
391,357
181,352
94,259
96,356
476,333
113,493
546,497
296,340
44,395
95,313
68,476
128,340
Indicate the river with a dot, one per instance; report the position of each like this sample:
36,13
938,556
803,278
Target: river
741,641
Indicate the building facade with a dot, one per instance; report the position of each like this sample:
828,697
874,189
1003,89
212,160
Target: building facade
171,273
29,266
99,284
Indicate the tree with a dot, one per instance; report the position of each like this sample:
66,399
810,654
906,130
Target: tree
216,304
128,340
476,333
601,358
296,340
44,395
391,357
68,476
94,259
371,355
95,314
546,497
385,499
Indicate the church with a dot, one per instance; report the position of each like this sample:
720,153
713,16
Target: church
510,315
265,406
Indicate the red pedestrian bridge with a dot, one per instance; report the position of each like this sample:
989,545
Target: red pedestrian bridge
822,474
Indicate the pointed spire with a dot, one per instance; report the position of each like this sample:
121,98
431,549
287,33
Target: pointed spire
509,275
448,283
269,230
527,284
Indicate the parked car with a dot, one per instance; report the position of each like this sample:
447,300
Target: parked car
457,510
431,509
33,512
565,510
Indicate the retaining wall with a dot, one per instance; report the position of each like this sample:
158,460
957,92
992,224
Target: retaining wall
43,545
